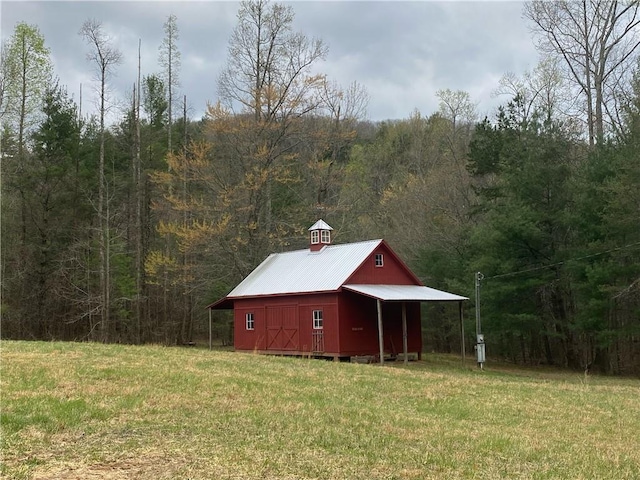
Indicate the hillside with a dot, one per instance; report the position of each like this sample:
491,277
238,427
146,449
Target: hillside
84,410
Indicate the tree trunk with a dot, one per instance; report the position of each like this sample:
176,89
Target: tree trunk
137,185
103,223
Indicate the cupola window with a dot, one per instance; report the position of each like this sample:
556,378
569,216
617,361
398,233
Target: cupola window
319,236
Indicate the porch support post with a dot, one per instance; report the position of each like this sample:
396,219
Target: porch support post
462,332
380,333
210,329
404,333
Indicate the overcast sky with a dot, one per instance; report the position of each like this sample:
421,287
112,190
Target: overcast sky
401,52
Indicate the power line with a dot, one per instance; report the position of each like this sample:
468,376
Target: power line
511,274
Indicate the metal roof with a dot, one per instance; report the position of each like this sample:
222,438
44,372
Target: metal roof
320,225
305,271
406,293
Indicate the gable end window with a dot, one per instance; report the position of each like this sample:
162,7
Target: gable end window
317,319
249,322
315,237
379,260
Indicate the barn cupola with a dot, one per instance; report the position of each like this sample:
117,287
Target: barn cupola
319,235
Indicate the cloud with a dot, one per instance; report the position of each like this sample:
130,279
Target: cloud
401,52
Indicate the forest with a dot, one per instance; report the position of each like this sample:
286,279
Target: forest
124,231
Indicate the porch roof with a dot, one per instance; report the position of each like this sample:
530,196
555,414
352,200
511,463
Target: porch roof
404,293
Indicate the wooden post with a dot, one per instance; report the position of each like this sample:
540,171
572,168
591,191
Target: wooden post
210,346
380,333
462,333
404,333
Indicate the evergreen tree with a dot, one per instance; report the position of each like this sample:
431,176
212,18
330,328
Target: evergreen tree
47,180
523,236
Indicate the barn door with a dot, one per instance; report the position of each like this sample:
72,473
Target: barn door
282,328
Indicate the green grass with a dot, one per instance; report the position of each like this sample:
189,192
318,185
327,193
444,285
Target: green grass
118,412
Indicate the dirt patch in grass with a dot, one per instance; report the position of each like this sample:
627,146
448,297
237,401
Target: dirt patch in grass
143,465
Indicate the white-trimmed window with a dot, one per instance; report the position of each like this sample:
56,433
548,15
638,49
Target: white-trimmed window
315,237
249,322
317,319
325,236
379,260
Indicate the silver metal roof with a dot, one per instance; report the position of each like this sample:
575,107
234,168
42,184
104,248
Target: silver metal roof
406,293
320,225
304,271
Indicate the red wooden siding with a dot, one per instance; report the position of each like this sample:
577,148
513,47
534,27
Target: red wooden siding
359,326
285,324
283,328
249,339
393,272
327,337
350,325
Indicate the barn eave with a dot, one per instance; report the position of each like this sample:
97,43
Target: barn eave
226,303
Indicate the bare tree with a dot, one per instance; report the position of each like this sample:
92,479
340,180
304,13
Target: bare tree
343,109
104,57
139,193
269,79
460,111
542,91
457,107
344,104
4,75
596,39
170,62
268,66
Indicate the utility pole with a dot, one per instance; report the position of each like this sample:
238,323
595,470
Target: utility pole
480,350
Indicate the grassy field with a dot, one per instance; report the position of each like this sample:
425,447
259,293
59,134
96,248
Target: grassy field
88,411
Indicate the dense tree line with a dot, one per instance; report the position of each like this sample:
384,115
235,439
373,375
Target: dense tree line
125,232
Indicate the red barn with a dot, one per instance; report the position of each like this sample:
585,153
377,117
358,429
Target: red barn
340,301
